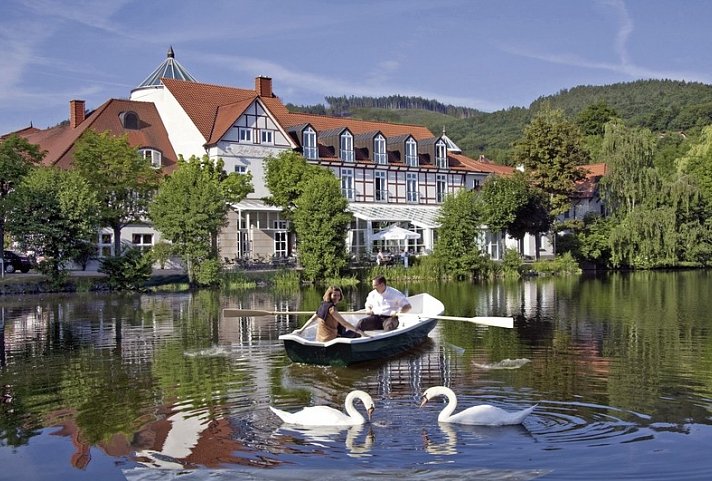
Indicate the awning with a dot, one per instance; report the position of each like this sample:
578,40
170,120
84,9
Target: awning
255,205
424,216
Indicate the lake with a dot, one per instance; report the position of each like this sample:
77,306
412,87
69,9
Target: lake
162,386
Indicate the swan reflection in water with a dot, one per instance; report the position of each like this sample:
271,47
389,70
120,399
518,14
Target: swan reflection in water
445,442
357,442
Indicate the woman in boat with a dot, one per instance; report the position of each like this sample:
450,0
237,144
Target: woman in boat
331,324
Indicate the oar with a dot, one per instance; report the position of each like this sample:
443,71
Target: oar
507,322
231,312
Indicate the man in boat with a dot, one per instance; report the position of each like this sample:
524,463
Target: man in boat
383,305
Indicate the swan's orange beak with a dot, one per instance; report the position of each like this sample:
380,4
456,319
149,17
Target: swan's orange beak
370,411
423,400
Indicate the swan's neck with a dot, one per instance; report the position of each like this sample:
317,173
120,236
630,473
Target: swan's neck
351,410
451,404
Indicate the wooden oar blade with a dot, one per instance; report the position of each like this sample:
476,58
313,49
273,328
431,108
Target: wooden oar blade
506,322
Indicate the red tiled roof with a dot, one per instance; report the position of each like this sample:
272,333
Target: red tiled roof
322,123
214,108
22,132
58,142
586,188
481,166
226,116
202,101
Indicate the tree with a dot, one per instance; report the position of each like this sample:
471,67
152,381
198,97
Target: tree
512,204
123,180
631,177
551,151
191,207
17,157
657,221
54,212
697,162
321,223
284,177
457,249
592,119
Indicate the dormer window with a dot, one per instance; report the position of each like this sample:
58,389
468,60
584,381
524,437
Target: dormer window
411,153
153,156
309,144
129,120
346,147
441,155
379,150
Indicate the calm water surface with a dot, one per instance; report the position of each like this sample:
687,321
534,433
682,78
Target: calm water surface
161,386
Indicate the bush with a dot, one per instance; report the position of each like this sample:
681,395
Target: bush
161,253
287,280
207,273
129,271
512,263
564,264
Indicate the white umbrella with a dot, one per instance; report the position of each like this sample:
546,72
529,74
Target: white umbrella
393,232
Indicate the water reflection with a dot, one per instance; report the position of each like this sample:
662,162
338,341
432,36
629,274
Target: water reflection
621,364
358,442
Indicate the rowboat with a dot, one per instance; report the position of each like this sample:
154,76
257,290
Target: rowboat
413,329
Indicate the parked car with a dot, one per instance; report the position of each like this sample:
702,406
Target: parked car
16,262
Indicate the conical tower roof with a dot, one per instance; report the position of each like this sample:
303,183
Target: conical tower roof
170,68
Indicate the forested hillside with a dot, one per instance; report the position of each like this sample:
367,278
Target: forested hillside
660,105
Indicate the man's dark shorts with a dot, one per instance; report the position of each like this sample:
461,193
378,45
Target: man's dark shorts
376,322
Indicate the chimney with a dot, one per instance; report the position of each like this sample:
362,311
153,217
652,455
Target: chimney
263,85
76,112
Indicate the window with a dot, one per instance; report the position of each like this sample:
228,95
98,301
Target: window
106,245
142,241
152,156
440,187
379,150
281,238
441,155
476,184
266,137
241,169
380,186
347,183
411,153
309,144
280,225
411,187
346,147
280,244
129,120
244,135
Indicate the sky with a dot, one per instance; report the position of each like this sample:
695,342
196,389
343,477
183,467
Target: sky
484,54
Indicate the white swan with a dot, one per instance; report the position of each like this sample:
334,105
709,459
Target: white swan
482,415
327,416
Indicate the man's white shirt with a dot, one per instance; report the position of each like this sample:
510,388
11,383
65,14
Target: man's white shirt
386,304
